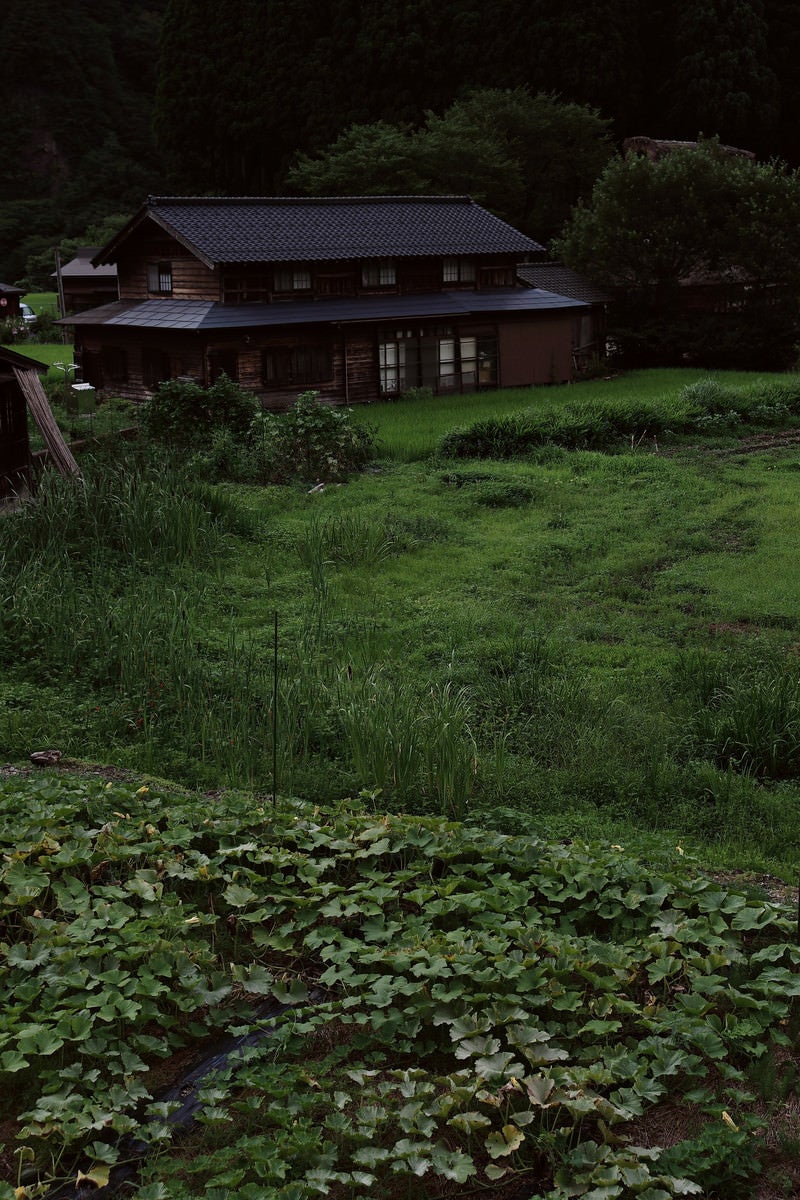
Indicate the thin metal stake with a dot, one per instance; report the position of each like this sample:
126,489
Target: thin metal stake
275,713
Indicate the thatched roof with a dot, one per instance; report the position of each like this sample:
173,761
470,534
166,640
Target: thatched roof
657,148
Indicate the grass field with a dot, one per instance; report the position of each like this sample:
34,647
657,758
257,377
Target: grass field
410,429
558,640
48,353
42,302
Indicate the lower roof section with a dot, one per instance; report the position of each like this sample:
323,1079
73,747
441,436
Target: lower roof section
201,315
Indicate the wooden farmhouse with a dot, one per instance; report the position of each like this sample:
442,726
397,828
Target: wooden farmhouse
356,297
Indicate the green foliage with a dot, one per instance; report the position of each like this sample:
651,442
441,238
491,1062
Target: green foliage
724,70
312,442
486,1007
503,147
725,1161
58,183
549,595
700,407
699,217
181,413
746,717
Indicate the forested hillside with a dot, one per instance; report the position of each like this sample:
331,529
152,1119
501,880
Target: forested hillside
312,67
76,87
99,106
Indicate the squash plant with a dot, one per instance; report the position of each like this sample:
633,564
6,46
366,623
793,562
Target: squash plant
462,1008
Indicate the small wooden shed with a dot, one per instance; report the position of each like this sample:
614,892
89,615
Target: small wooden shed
15,452
21,390
9,300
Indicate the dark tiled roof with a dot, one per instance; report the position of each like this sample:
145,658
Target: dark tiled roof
558,278
201,315
280,229
8,290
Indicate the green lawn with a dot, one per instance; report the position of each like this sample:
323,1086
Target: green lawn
48,353
42,302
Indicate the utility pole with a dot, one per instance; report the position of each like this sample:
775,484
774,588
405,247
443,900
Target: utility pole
62,310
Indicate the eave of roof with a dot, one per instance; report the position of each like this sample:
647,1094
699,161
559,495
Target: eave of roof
556,277
201,315
13,359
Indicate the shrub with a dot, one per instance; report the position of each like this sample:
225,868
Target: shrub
417,394
182,413
707,396
11,330
313,442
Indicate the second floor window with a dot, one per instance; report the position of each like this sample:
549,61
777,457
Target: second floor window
491,277
159,278
458,270
379,274
292,281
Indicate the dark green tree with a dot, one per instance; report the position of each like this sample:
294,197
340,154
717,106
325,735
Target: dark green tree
696,216
75,104
723,83
528,158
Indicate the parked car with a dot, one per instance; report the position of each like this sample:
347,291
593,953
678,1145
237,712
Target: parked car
29,318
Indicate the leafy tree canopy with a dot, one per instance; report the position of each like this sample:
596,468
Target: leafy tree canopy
528,158
650,224
695,215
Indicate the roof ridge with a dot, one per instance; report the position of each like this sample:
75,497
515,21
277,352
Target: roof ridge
303,200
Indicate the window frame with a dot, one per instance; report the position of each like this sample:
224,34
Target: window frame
301,365
292,279
114,364
443,358
159,278
458,269
217,367
379,273
153,361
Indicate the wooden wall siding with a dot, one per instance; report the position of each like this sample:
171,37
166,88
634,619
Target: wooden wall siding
15,460
185,358
191,279
532,349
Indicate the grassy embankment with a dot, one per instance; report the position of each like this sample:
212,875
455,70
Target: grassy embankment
570,641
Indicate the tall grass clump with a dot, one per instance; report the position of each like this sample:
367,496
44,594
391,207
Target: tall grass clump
407,744
133,516
745,717
350,540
